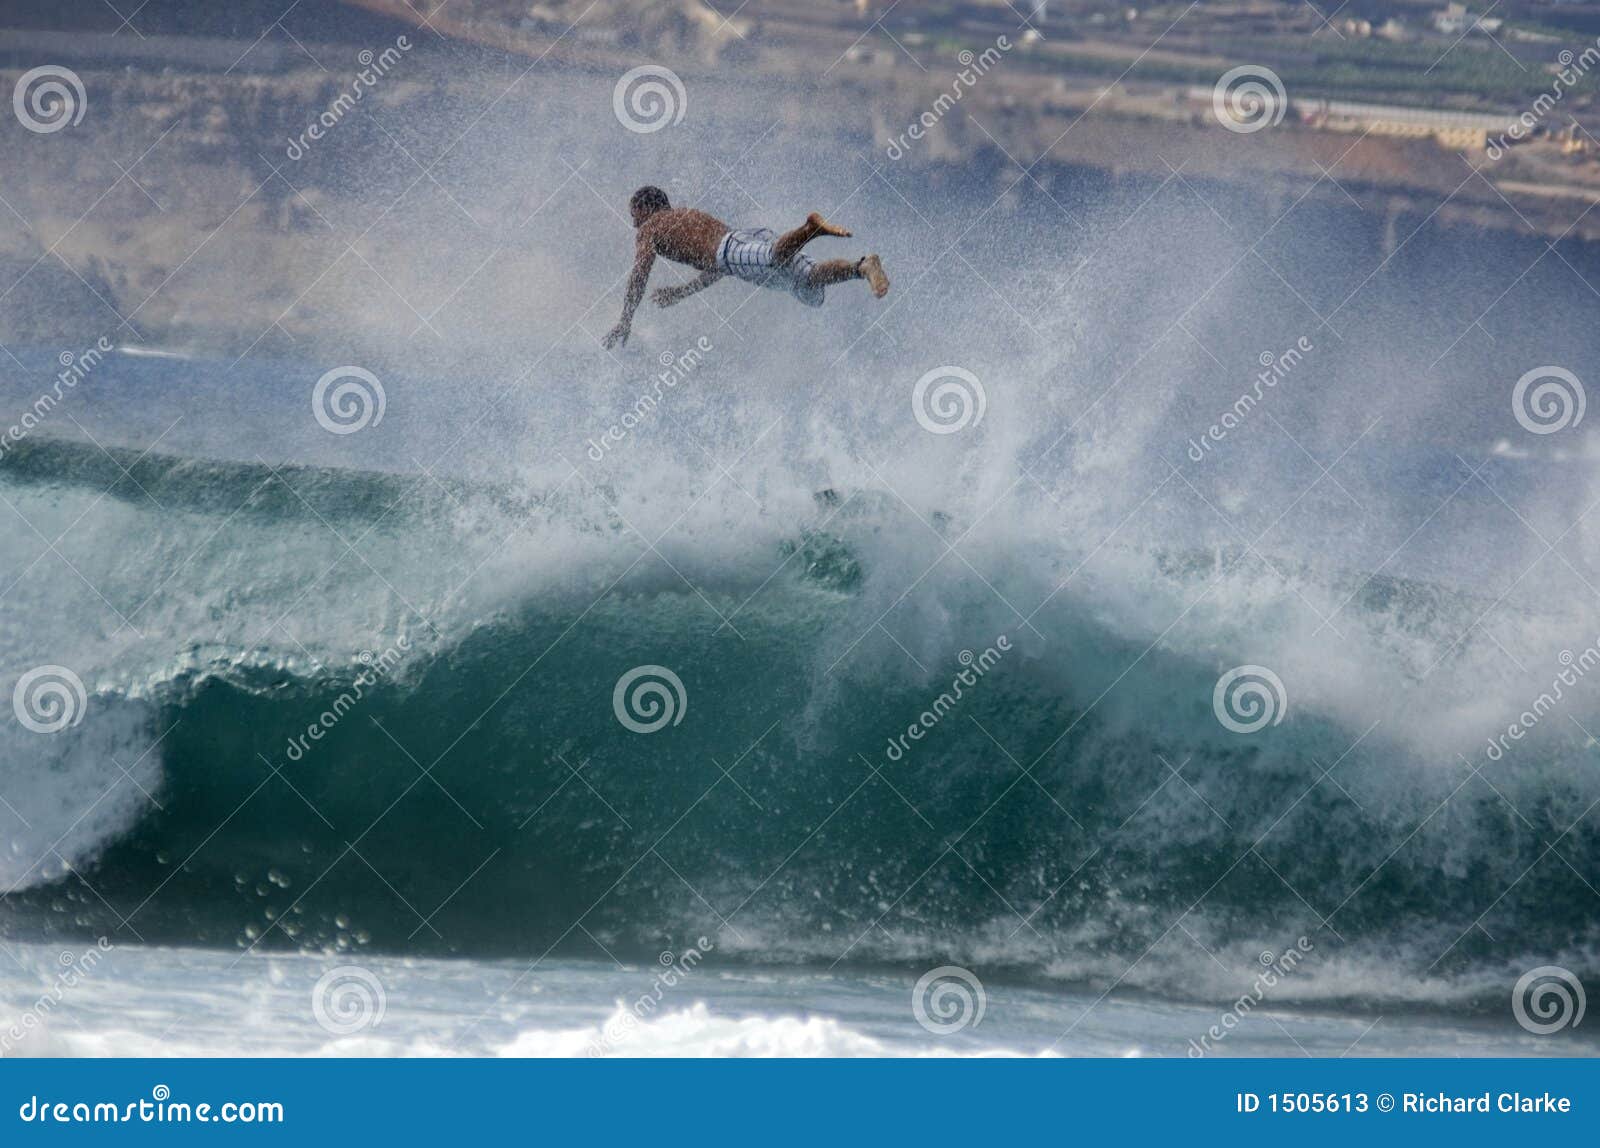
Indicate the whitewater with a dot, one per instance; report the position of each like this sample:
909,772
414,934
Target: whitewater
355,699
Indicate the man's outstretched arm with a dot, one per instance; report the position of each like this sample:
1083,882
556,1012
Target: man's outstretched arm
667,296
644,258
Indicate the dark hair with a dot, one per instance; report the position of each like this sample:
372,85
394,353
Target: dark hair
649,200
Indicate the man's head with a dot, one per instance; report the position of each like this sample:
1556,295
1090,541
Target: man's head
646,202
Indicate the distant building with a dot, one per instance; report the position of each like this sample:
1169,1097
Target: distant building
1455,20
1393,29
1456,130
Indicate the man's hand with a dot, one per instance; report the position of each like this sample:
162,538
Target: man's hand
667,296
644,257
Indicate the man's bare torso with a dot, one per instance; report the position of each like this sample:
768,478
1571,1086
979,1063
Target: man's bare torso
684,235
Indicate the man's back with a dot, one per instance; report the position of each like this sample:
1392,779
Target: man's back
684,235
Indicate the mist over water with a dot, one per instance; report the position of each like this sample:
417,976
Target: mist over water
1378,530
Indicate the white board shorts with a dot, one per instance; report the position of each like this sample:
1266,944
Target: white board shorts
747,254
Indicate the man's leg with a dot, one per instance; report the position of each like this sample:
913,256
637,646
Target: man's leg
831,271
788,244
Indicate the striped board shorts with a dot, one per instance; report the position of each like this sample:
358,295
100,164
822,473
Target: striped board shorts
747,255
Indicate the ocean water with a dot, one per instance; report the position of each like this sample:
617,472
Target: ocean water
187,1002
473,749
979,662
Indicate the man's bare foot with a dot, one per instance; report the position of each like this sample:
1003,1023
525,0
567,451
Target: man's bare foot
872,272
823,227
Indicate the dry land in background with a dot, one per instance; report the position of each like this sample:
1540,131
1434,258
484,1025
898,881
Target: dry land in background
1112,88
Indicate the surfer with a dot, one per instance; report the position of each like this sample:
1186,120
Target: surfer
685,235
